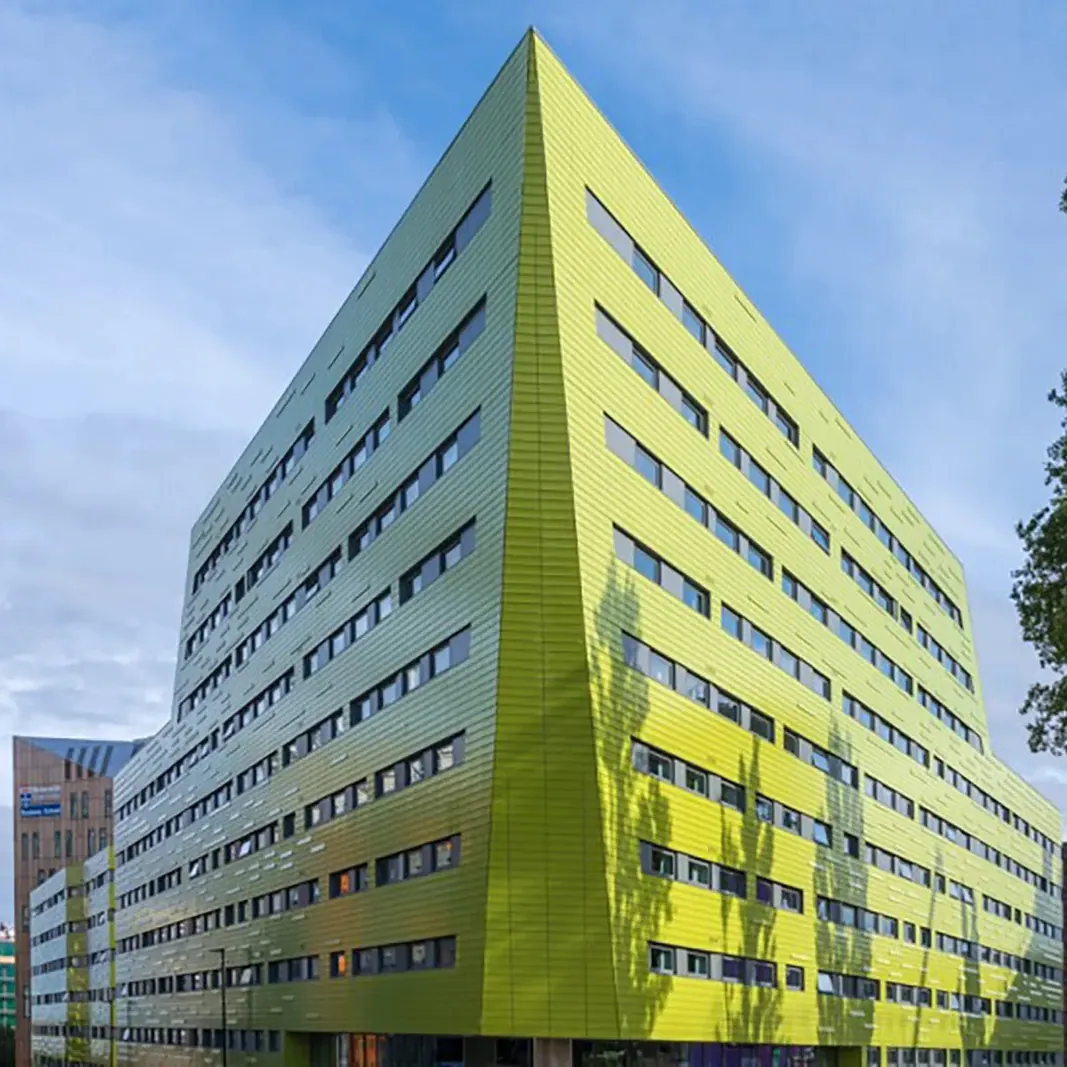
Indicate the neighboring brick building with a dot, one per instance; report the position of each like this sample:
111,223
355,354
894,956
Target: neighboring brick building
62,815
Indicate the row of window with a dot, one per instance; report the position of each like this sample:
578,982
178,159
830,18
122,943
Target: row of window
874,722
288,608
949,719
237,1040
416,768
674,675
675,771
720,967
985,800
441,658
875,591
338,478
656,569
280,472
772,489
443,360
397,684
433,953
450,553
889,797
613,232
198,638
414,296
416,485
936,1057
771,649
434,468
1021,918
233,724
264,563
348,633
821,759
650,371
836,624
949,662
632,452
882,532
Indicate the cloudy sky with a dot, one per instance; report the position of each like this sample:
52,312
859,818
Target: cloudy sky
189,189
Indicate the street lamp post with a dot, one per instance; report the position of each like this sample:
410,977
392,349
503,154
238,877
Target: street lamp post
222,987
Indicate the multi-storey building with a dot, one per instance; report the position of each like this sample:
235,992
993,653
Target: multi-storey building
561,679
8,999
63,814
72,965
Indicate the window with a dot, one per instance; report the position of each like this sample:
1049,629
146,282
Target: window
661,959
794,977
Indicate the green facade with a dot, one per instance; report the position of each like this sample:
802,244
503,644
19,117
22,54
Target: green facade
615,820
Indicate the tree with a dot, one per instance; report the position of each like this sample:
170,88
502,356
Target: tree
1040,595
1039,589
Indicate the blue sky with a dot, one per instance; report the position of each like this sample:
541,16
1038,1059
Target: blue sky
189,189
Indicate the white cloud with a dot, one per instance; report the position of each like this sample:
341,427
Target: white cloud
162,275
904,156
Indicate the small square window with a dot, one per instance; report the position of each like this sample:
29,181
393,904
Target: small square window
794,977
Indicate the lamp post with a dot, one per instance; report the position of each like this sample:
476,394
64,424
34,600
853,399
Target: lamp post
222,987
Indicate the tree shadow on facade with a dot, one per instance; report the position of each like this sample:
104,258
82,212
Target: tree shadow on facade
633,810
839,948
753,1012
927,949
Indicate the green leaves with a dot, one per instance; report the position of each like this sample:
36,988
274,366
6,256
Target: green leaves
1039,592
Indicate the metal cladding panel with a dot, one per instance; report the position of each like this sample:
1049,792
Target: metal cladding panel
449,903
584,154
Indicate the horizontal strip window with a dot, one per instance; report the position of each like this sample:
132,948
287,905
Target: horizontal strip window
821,759
673,675
447,555
429,472
413,298
439,659
775,813
772,489
836,624
344,637
349,881
298,969
205,688
442,361
1031,922
852,986
440,855
153,887
239,1040
434,953
691,870
851,915
650,371
952,665
267,560
990,803
241,718
250,844
773,650
894,864
295,602
656,569
358,455
675,771
849,495
947,718
901,993
426,763
976,846
260,704
632,452
875,591
258,773
716,966
295,897
779,896
610,229
884,729
279,473
199,636
889,797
